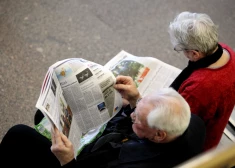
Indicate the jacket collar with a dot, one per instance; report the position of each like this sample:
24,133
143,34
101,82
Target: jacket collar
133,150
138,149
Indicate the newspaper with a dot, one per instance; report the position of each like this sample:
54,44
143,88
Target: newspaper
78,97
148,73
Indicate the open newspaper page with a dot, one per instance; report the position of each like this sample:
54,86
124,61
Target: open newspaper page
79,99
149,74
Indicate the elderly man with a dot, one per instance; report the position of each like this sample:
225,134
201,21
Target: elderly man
154,131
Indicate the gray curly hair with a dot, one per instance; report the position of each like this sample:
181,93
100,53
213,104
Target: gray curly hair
195,31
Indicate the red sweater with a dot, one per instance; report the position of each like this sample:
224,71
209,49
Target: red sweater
211,95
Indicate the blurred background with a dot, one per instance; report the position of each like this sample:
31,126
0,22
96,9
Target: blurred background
36,33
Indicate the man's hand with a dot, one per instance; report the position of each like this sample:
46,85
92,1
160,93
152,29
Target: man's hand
61,147
126,86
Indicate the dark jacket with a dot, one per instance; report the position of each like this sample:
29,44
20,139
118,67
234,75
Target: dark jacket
125,149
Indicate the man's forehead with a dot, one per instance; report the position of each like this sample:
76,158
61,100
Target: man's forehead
148,101
144,106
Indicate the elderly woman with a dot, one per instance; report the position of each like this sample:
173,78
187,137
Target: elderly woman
208,82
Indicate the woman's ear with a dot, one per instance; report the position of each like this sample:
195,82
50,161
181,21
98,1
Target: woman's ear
196,55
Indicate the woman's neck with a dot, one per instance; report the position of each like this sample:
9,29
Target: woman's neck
221,62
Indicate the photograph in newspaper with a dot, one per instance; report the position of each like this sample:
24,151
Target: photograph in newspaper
65,118
135,70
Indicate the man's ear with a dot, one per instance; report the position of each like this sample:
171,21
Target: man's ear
160,136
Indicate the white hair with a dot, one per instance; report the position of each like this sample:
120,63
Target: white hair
171,112
194,31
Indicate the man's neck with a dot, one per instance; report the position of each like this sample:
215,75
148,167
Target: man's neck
169,139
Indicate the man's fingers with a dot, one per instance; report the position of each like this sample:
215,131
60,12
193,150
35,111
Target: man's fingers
65,140
52,138
52,135
123,79
57,136
120,86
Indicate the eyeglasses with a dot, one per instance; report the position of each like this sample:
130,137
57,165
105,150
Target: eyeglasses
179,49
133,118
138,100
133,115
